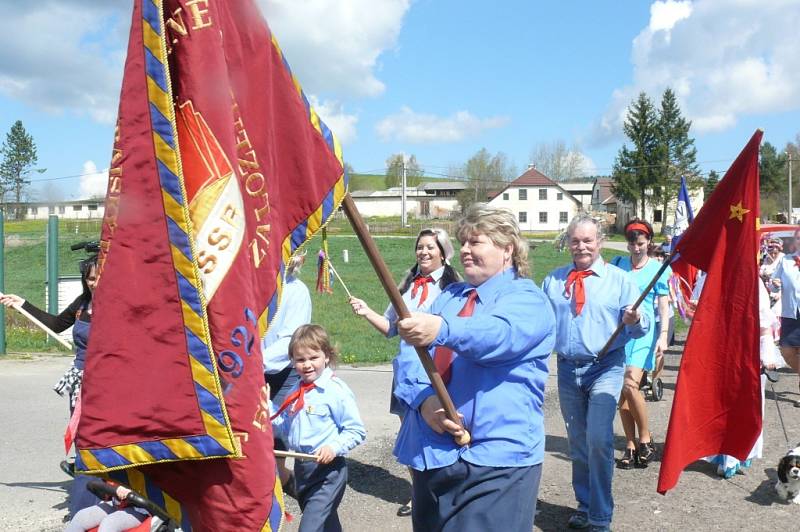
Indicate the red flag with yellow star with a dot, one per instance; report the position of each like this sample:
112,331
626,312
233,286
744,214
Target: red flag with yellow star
717,405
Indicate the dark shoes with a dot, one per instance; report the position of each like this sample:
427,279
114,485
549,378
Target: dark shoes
640,457
578,521
405,510
629,459
646,454
68,468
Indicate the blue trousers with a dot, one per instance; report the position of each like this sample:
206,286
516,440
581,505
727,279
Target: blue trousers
588,393
464,497
320,488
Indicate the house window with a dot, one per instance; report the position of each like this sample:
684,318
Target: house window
560,196
543,216
543,194
62,209
32,210
77,208
51,209
92,207
657,216
523,217
523,194
563,217
505,196
597,193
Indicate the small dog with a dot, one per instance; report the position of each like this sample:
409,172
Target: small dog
788,485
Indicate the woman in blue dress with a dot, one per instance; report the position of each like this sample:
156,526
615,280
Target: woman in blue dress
641,353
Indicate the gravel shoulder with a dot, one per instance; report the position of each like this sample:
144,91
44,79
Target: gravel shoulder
33,497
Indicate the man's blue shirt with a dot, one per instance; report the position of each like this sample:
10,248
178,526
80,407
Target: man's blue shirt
609,290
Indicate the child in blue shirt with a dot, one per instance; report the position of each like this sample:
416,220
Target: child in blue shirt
319,417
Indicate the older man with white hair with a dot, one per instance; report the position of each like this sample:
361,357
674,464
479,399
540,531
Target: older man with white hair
589,298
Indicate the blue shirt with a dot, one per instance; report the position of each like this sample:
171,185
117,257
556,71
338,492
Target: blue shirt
498,373
329,417
413,303
789,275
608,291
294,310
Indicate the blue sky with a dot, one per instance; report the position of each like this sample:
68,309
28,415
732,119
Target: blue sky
439,79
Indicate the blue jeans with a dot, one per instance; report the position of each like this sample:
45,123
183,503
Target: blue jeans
588,393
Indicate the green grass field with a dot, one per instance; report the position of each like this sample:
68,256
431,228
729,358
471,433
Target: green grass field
357,340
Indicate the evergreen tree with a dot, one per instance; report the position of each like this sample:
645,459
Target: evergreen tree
635,171
19,158
710,184
774,180
676,150
772,167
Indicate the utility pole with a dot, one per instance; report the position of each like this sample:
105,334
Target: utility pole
789,158
403,215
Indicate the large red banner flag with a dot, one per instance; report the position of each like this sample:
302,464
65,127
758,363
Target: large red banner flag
717,405
220,172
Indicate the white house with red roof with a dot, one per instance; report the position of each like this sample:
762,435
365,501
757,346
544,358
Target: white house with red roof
538,202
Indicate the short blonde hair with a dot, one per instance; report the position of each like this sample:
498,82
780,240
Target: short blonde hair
500,226
315,337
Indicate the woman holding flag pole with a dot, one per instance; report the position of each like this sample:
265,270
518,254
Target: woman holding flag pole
490,338
422,284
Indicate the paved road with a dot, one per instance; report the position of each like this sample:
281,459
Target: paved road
32,487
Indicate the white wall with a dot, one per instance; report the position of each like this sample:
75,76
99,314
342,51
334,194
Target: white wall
533,206
42,212
391,206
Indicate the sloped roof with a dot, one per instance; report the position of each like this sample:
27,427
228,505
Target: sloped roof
533,177
604,184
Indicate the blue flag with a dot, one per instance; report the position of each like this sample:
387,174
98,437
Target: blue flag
683,214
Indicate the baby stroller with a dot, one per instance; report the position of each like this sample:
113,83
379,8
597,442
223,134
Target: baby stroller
158,521
651,384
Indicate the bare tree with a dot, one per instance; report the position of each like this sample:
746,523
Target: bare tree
558,162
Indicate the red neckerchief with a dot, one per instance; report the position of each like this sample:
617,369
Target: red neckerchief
421,280
297,397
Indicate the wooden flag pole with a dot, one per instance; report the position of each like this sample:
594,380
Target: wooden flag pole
296,456
399,305
42,326
650,285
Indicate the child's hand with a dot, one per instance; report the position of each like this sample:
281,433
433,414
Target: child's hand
122,492
325,454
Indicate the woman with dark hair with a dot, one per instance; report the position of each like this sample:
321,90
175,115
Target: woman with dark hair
421,284
77,315
642,354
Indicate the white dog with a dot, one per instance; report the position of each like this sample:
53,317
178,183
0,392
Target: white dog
788,485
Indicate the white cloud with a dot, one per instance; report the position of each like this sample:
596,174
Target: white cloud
664,14
334,46
60,66
723,58
94,182
409,126
332,113
76,67
587,165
